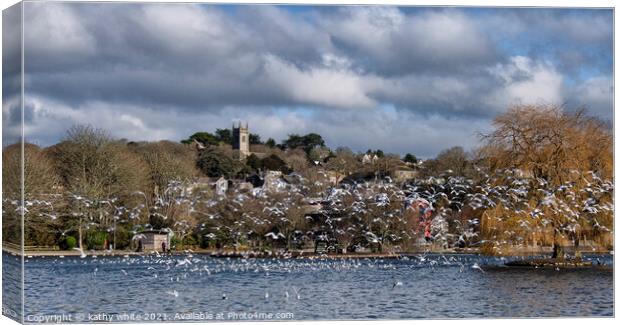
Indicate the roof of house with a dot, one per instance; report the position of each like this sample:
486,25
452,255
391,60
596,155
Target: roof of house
404,168
156,231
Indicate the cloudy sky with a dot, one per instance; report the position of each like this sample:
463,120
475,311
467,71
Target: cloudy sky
403,79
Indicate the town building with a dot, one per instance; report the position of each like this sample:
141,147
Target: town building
369,159
241,140
221,186
152,240
403,173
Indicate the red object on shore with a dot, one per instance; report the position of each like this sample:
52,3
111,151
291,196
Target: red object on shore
425,209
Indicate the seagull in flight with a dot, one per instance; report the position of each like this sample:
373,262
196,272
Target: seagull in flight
477,267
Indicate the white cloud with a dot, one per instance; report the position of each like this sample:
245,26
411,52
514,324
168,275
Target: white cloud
317,86
525,81
11,119
49,120
132,120
446,36
55,30
385,40
369,28
596,94
188,29
382,77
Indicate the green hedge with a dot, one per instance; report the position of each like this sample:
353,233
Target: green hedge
95,239
67,243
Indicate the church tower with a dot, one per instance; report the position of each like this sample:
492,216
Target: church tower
241,140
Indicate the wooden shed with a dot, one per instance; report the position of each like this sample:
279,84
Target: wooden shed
153,239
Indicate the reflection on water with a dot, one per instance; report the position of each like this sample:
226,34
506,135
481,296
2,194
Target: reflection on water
431,286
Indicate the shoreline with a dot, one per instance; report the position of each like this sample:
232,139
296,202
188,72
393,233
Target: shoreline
292,254
211,253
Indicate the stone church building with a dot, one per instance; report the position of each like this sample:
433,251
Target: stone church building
241,140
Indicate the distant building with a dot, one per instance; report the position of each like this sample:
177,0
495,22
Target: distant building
221,186
153,239
368,159
241,140
403,173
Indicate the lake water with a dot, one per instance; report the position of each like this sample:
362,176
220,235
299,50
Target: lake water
199,288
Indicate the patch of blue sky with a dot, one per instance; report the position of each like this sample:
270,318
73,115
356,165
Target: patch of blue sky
292,8
303,111
388,109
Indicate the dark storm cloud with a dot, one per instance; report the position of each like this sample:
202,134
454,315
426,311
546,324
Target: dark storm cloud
188,56
441,71
11,71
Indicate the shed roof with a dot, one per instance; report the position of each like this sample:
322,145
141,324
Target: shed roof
156,231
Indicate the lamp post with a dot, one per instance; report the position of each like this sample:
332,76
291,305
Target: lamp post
114,235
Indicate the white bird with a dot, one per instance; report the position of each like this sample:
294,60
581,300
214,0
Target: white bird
183,262
79,249
477,267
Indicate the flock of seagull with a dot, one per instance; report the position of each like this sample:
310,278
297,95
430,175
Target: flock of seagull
169,271
365,213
